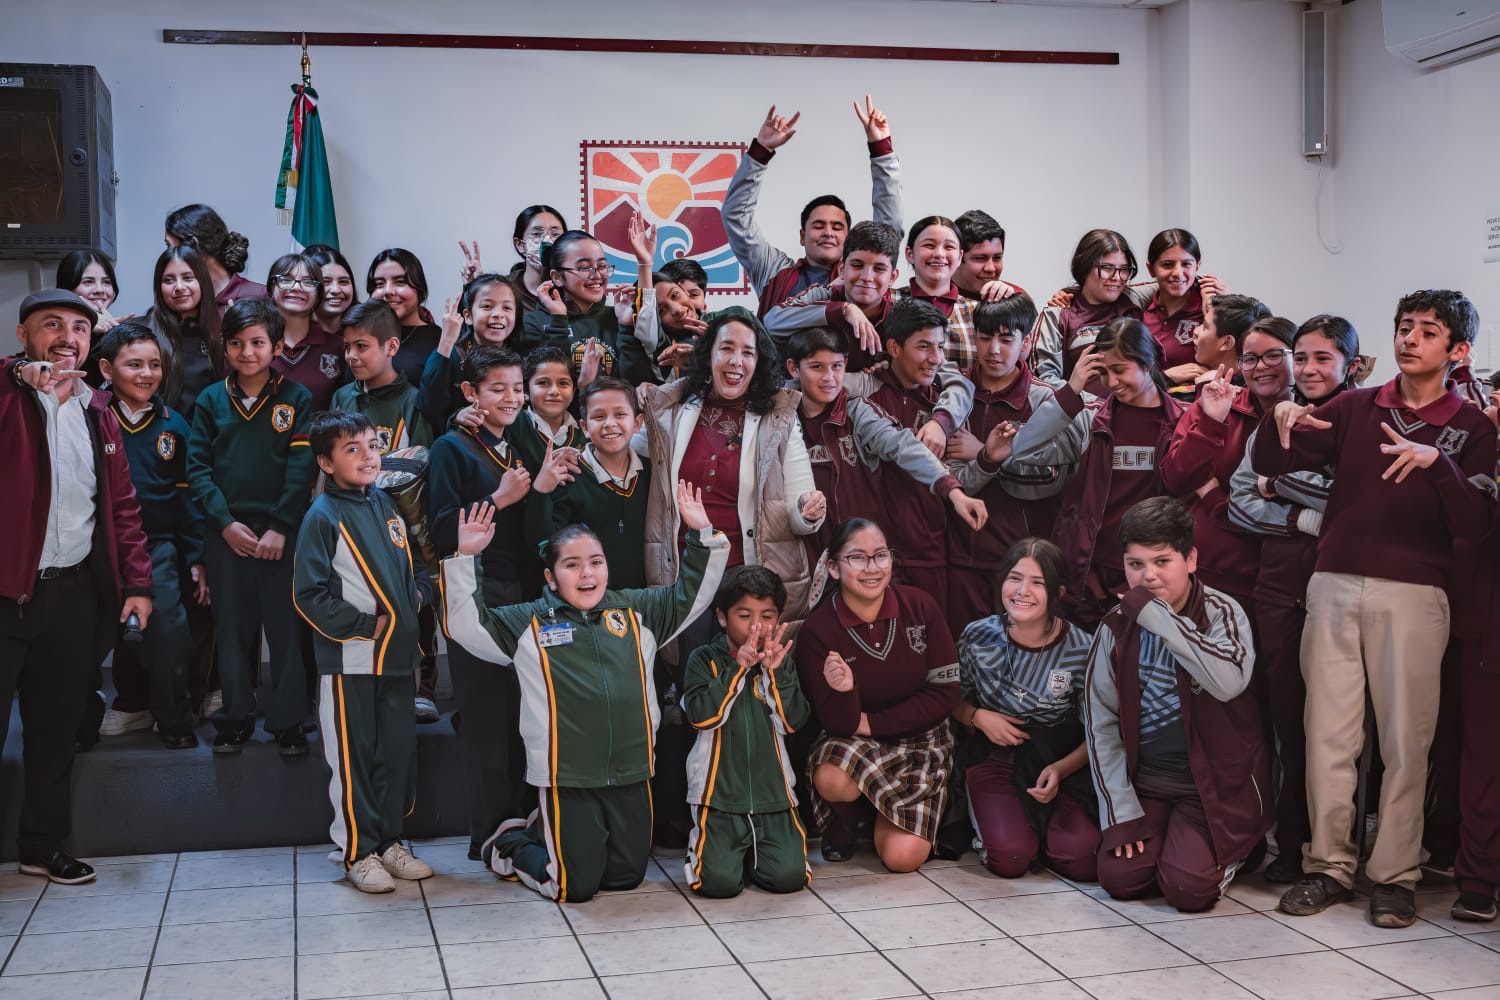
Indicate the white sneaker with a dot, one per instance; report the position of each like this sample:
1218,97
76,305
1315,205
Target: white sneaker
212,702
427,711
404,864
118,723
369,875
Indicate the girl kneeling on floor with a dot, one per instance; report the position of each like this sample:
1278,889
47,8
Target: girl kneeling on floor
589,708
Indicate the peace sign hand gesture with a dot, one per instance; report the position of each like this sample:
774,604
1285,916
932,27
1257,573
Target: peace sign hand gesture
471,266
877,127
1216,396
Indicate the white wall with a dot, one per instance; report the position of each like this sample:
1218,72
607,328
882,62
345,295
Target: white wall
429,147
1414,170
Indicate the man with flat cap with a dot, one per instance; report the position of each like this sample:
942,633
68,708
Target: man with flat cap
75,552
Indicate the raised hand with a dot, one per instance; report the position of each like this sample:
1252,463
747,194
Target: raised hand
559,466
593,360
776,130
690,506
970,509
997,443
475,528
453,325
873,119
837,673
1289,415
1088,366
1216,396
1210,286
643,242
1409,454
774,647
625,304
471,267
749,654
514,486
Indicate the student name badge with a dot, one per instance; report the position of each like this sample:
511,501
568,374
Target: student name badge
555,635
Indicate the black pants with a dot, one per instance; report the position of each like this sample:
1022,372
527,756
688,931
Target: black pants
488,698
47,656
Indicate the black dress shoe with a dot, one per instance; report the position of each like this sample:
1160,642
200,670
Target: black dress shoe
60,867
291,742
1284,869
835,852
184,740
229,741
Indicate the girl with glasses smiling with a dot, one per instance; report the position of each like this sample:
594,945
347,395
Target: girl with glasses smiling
310,355
878,663
1102,266
575,309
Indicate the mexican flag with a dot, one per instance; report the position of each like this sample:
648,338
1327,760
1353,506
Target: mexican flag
304,190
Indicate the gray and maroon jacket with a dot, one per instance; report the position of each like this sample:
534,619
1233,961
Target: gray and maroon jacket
1227,754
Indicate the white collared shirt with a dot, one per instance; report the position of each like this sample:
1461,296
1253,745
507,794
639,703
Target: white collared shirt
560,437
602,474
70,508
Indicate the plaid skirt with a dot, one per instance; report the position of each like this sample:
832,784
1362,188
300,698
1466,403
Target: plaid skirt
906,779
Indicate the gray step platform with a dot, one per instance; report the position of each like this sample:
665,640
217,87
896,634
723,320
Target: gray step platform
131,795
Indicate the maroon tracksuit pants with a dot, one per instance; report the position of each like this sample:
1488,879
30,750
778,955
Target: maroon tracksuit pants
1010,844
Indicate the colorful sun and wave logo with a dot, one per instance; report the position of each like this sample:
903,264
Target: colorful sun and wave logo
679,188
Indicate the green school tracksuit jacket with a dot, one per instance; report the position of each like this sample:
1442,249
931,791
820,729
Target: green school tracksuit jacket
354,562
589,707
739,762
393,410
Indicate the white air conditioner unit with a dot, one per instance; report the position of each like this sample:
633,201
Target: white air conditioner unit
1438,32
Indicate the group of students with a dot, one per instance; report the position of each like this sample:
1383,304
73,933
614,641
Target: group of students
1107,587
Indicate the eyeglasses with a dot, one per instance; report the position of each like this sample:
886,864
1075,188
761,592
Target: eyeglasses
543,234
286,282
1271,359
589,270
1107,271
859,561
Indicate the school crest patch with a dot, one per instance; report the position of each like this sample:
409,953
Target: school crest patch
397,529
1058,683
916,638
847,450
1451,441
328,364
282,415
818,454
1185,330
166,446
383,439
109,447
614,620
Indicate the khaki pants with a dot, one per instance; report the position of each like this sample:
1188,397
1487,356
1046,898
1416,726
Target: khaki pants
1363,631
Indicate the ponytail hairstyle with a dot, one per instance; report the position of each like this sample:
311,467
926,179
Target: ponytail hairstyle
1133,340
1169,238
201,228
471,293
168,326
551,550
1345,340
1054,572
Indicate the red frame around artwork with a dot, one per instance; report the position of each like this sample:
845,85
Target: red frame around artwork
588,146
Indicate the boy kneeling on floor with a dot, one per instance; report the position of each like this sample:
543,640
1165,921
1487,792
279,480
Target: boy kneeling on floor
742,695
1174,736
357,585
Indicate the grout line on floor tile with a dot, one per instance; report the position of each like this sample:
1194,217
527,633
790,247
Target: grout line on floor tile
160,921
436,944
1007,936
296,929
19,933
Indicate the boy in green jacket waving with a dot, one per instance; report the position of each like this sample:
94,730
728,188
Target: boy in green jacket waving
742,696
583,655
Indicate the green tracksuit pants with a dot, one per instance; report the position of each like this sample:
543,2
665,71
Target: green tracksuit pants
578,841
370,743
726,849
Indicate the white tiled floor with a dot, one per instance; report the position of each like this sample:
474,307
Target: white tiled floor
278,924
